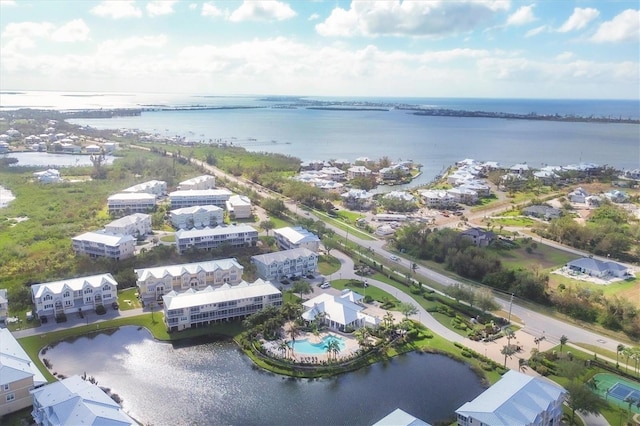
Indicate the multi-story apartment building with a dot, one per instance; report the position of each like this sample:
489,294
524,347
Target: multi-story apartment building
194,308
295,237
199,182
68,296
155,187
153,283
137,224
103,244
239,207
197,217
210,238
286,263
4,305
199,197
127,203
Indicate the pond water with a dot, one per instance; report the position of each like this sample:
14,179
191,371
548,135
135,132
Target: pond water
6,197
215,383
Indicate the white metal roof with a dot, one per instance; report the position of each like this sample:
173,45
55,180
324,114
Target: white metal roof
128,196
73,284
296,235
196,209
281,256
218,230
200,193
399,417
130,219
188,268
102,237
15,364
209,295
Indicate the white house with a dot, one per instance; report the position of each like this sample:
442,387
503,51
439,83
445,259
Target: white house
437,198
199,182
294,237
400,417
463,195
400,195
239,207
18,375
155,187
104,244
197,217
131,202
598,268
616,196
67,296
196,308
153,283
281,264
74,401
4,304
357,198
579,195
516,399
357,171
339,312
199,197
210,238
48,176
137,224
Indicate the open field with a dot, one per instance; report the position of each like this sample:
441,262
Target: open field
542,255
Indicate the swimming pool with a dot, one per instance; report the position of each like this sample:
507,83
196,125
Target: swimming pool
308,348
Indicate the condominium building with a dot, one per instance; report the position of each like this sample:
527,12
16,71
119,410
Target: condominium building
74,401
239,207
137,224
104,244
197,217
199,182
68,296
18,375
126,203
199,197
194,308
153,283
294,237
155,187
211,238
4,305
282,264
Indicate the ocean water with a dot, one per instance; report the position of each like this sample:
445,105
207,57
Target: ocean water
434,142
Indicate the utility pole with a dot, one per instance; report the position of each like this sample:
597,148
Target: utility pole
510,306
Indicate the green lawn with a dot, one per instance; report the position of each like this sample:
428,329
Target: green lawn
342,225
376,293
543,255
127,299
512,221
328,265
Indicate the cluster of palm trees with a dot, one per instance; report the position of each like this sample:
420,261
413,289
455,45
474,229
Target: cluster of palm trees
628,352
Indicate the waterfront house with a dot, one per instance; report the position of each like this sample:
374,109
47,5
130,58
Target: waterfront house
437,198
239,207
4,305
136,225
295,237
18,375
478,236
520,169
286,263
357,199
48,176
129,202
104,244
401,196
199,182
516,399
68,296
211,238
333,173
153,283
74,401
92,149
357,171
478,186
598,268
399,417
199,197
4,147
463,195
338,312
155,187
197,217
194,308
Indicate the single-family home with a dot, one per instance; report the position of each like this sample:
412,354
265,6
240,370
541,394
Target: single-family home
93,149
286,263
4,147
542,212
131,202
194,308
74,401
18,375
333,173
137,224
579,195
198,182
616,196
199,197
211,238
400,417
357,171
478,236
516,399
357,199
239,207
295,237
103,244
437,198
155,187
478,186
153,283
340,313
463,195
4,305
387,217
520,168
48,176
400,195
68,296
598,268
197,217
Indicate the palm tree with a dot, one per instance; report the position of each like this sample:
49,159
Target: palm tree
507,351
293,332
619,349
332,346
388,320
563,341
284,347
361,335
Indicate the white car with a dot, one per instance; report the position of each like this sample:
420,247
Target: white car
325,285
395,258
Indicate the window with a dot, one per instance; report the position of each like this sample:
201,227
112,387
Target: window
66,294
88,299
47,297
11,396
88,290
5,387
49,306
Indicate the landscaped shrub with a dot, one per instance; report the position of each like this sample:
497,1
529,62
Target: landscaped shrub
101,310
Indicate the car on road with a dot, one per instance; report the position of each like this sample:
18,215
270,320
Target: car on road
394,258
325,285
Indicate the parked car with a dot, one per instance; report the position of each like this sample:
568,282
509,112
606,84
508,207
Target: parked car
115,305
394,258
325,285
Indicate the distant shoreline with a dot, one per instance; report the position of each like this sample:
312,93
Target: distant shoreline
512,116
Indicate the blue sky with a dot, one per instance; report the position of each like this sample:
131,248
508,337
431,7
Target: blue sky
435,48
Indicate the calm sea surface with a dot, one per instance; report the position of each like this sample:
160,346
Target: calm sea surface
215,383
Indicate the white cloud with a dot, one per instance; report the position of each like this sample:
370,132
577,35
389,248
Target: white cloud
266,10
565,56
314,17
209,9
28,30
524,15
8,3
536,31
117,9
410,18
111,48
193,6
160,7
72,31
579,19
624,27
